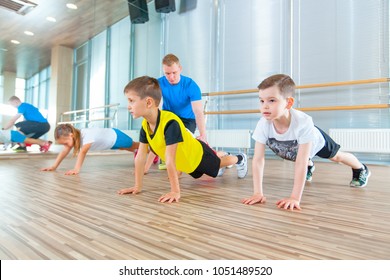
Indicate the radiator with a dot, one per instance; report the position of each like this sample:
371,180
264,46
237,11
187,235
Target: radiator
362,140
229,138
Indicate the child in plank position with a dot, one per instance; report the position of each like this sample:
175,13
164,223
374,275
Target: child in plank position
94,139
168,138
291,134
7,136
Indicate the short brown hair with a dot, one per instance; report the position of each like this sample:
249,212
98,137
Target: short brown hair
284,83
145,86
170,59
14,98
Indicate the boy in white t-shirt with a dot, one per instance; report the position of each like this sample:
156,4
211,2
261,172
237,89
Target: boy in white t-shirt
291,134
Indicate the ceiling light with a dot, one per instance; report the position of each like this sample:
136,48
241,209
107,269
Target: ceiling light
15,42
4,50
71,6
51,19
29,33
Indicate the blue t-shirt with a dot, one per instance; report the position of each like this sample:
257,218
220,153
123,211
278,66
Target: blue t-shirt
31,113
177,98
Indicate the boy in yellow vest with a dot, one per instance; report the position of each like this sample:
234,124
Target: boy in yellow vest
168,138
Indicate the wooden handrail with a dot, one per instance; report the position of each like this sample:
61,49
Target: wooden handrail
325,108
86,110
87,115
86,121
332,84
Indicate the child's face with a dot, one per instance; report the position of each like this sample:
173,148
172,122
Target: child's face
66,140
273,105
136,106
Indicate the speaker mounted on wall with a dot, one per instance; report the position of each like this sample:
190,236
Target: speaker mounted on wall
138,10
165,6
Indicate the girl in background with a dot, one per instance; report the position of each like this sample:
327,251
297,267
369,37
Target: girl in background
94,139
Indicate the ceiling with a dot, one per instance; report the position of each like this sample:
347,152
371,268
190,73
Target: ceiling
71,29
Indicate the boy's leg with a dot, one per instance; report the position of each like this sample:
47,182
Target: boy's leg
331,150
124,142
221,154
228,160
360,172
347,159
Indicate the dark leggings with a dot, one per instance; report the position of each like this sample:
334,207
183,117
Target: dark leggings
33,129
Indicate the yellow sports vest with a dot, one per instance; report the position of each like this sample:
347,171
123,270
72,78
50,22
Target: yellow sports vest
189,152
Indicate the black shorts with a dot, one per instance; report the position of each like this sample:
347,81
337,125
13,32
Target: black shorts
33,129
190,124
330,148
209,164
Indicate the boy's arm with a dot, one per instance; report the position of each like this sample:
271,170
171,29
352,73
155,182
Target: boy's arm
80,159
170,162
149,161
258,172
65,151
299,178
140,160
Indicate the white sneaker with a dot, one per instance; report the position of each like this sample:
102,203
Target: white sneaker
221,171
242,168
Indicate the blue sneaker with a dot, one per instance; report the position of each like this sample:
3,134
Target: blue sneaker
360,177
309,174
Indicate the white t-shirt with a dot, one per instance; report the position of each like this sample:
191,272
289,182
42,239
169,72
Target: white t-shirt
301,131
100,138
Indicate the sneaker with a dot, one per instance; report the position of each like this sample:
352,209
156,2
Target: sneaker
45,148
242,167
20,149
162,166
155,160
309,174
221,171
360,177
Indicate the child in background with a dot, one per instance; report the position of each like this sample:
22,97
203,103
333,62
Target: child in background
84,140
8,136
167,137
291,134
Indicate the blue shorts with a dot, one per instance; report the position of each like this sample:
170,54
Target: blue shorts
18,137
122,140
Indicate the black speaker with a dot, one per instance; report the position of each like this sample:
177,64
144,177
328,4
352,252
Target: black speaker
138,10
187,5
165,6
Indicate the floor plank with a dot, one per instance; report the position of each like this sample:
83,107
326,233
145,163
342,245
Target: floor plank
48,215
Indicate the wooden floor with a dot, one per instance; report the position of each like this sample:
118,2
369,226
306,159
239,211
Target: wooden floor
47,215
